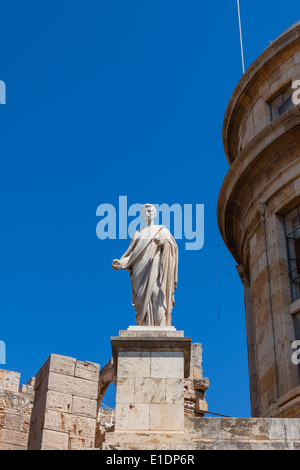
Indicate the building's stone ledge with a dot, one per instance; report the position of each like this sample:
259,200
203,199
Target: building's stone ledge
214,434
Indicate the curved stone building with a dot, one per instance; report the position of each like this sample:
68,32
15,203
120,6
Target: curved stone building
259,219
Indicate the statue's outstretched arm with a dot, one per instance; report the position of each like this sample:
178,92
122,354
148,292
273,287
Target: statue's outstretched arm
123,261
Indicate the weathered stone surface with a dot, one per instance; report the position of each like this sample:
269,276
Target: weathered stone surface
15,411
201,384
66,423
80,442
130,345
87,370
133,364
10,436
56,363
167,365
9,446
201,406
72,385
53,440
125,390
149,390
58,401
243,428
166,417
210,434
151,332
196,361
174,391
84,407
132,417
292,427
9,380
277,429
204,428
195,385
62,364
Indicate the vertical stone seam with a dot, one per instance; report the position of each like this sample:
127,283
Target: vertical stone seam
271,303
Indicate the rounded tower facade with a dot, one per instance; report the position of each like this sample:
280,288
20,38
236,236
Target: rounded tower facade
259,219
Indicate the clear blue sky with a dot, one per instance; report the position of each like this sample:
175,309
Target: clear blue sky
109,98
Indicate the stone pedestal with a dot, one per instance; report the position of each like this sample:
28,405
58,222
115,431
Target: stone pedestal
150,365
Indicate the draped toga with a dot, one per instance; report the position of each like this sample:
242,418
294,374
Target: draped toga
153,271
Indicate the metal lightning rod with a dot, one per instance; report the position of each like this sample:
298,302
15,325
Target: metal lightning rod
241,37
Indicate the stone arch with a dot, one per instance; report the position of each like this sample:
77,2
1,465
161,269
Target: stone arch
105,418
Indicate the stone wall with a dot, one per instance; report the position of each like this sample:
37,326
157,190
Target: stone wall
65,406
58,410
15,411
215,434
195,385
105,424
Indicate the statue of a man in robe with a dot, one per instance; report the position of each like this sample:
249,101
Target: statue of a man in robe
152,262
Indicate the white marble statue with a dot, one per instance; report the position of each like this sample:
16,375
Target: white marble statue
152,261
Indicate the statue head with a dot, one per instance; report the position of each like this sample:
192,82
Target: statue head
148,213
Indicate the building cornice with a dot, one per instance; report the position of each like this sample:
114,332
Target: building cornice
282,48
255,156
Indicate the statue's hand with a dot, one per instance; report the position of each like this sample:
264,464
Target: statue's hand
116,264
158,241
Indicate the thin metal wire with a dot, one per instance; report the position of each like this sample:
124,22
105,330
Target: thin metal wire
207,412
241,37
105,407
110,400
216,414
